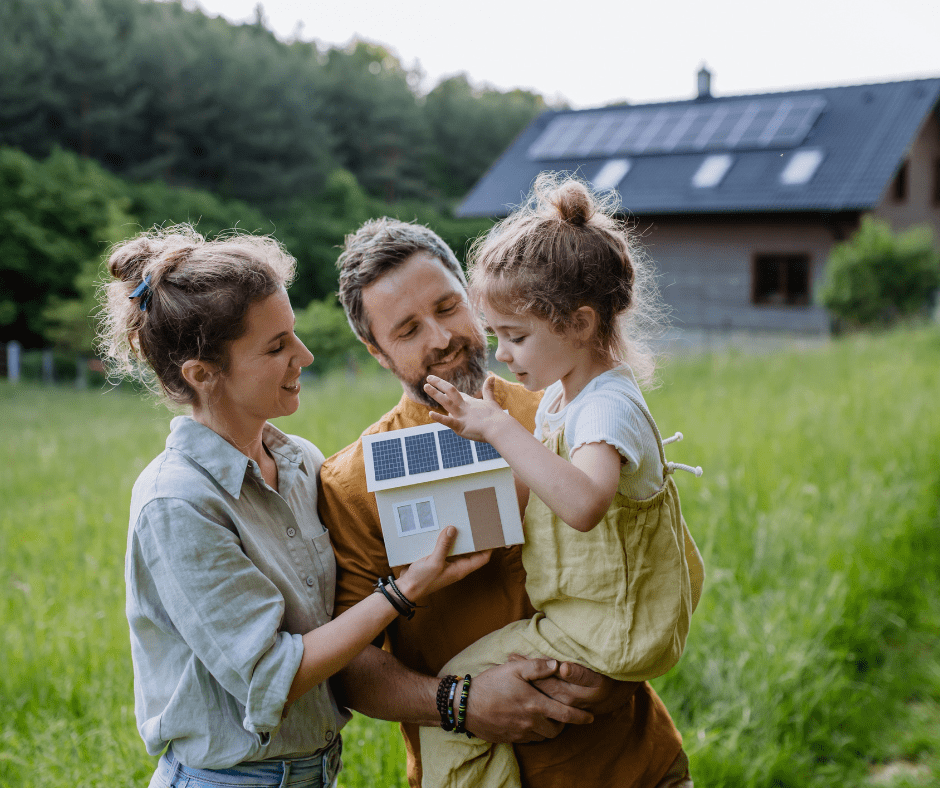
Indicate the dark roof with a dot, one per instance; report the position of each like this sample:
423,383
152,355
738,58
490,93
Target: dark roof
859,134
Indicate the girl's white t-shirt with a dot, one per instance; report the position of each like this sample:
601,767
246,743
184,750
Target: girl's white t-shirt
604,413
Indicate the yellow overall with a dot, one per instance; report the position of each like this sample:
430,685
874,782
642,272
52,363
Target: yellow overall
617,599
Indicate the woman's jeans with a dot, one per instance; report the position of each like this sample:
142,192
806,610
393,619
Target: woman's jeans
317,771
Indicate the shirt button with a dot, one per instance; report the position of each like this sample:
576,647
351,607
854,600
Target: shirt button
310,581
329,735
291,532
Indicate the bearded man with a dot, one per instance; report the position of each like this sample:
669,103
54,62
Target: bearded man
405,297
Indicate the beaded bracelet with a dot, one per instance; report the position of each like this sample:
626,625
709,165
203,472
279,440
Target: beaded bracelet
462,708
398,603
445,701
450,705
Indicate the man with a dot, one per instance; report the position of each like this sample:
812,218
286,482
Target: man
405,297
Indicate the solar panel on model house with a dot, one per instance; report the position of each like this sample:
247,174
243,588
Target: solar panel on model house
421,452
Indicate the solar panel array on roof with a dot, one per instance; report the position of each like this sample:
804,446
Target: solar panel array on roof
725,125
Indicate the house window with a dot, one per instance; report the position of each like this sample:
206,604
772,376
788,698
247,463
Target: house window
781,279
936,182
415,517
899,188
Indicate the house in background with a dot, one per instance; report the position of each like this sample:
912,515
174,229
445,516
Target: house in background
740,199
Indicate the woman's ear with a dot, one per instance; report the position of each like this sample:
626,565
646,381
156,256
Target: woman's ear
200,375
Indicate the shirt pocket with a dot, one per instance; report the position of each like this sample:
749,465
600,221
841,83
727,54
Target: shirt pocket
326,560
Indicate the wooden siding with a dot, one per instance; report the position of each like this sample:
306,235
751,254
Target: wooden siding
706,269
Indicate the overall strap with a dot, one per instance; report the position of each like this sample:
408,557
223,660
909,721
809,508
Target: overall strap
668,467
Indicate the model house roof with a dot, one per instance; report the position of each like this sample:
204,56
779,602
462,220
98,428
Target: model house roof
422,454
819,149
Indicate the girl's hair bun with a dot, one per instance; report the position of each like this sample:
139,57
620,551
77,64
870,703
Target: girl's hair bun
573,203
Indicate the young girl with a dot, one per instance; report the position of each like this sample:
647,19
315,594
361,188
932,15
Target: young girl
229,572
610,564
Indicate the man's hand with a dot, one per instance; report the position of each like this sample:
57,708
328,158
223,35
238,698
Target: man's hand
505,707
575,685
436,571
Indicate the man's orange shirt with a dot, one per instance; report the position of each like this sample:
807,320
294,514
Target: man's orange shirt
632,747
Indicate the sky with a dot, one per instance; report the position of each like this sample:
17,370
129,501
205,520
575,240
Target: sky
590,53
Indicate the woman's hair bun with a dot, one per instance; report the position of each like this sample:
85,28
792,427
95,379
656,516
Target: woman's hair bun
573,203
129,259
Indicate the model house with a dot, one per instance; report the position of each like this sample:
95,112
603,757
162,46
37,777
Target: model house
740,199
428,477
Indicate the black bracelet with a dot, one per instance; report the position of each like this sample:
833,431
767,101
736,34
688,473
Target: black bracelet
444,707
397,590
394,601
462,708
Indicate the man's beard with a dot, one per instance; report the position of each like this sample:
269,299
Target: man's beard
468,377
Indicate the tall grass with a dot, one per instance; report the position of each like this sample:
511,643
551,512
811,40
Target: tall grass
818,520
813,653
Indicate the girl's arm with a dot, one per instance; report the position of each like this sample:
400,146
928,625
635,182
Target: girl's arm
579,492
329,648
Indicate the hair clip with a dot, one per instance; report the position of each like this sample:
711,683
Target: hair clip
144,292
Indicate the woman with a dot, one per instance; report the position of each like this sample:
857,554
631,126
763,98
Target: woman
229,572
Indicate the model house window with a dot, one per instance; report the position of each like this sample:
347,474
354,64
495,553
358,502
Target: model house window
415,517
899,188
781,279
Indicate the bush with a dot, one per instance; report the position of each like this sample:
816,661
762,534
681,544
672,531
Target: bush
323,329
877,277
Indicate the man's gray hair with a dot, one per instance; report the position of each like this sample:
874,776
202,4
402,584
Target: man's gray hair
376,248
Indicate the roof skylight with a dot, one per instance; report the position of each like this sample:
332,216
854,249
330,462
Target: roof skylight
801,167
711,171
610,175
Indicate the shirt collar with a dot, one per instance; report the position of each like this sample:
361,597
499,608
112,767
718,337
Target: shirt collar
226,464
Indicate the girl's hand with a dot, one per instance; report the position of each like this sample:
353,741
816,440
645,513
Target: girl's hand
468,417
435,572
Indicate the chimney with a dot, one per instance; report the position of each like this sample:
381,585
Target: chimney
704,83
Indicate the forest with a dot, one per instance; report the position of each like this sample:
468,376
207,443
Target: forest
116,115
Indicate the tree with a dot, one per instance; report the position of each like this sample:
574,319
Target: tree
470,127
877,277
152,90
372,109
57,219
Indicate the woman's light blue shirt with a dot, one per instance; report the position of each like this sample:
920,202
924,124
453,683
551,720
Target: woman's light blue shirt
224,575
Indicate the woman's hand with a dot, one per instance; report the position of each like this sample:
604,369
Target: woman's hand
436,571
469,417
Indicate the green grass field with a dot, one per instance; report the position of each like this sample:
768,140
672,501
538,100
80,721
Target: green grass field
813,656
